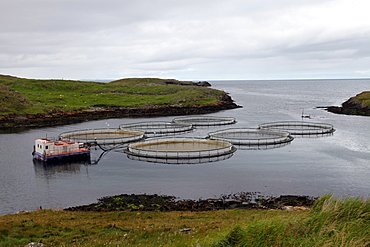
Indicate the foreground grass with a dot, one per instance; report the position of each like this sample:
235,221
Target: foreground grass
331,222
19,96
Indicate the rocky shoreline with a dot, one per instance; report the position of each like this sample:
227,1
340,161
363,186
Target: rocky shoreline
163,203
350,107
98,113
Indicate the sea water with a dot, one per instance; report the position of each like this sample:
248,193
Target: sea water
313,166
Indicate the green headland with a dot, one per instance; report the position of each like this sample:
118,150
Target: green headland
32,102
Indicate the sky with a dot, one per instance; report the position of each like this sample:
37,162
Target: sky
185,39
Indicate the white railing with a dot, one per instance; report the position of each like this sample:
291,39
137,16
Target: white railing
202,148
102,136
300,128
157,127
180,161
205,121
251,136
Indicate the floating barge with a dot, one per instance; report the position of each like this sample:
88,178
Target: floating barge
49,151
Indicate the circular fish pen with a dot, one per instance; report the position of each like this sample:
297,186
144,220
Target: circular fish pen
157,127
180,161
300,128
205,121
180,148
252,137
103,136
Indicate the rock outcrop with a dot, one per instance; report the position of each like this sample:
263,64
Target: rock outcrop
188,83
351,107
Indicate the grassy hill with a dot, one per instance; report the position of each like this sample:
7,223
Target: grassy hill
31,102
21,96
330,222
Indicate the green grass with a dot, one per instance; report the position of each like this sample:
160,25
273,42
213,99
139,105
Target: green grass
21,96
364,98
331,222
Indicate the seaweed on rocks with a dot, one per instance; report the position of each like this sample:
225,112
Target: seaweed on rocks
144,202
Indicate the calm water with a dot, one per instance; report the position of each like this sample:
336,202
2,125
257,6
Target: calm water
338,164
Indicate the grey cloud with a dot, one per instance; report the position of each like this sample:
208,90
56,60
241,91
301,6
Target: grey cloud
181,38
348,47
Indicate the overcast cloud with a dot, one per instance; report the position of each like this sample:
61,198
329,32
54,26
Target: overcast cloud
185,39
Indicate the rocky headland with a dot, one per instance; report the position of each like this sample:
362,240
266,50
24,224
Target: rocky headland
357,105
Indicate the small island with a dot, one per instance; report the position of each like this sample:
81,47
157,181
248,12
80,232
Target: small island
29,103
357,105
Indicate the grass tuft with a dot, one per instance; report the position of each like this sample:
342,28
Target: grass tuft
331,222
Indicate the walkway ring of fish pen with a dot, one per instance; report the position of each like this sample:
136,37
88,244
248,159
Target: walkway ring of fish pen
299,127
180,148
103,136
247,136
261,146
157,127
180,161
205,121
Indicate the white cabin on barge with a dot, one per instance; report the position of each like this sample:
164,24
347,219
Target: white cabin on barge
59,151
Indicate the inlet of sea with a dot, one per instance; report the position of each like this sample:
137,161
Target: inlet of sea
312,166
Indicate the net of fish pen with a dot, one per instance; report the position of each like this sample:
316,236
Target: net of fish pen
158,127
255,137
103,136
205,121
300,128
180,160
180,148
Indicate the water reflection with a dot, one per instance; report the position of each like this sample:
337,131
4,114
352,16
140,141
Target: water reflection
50,170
